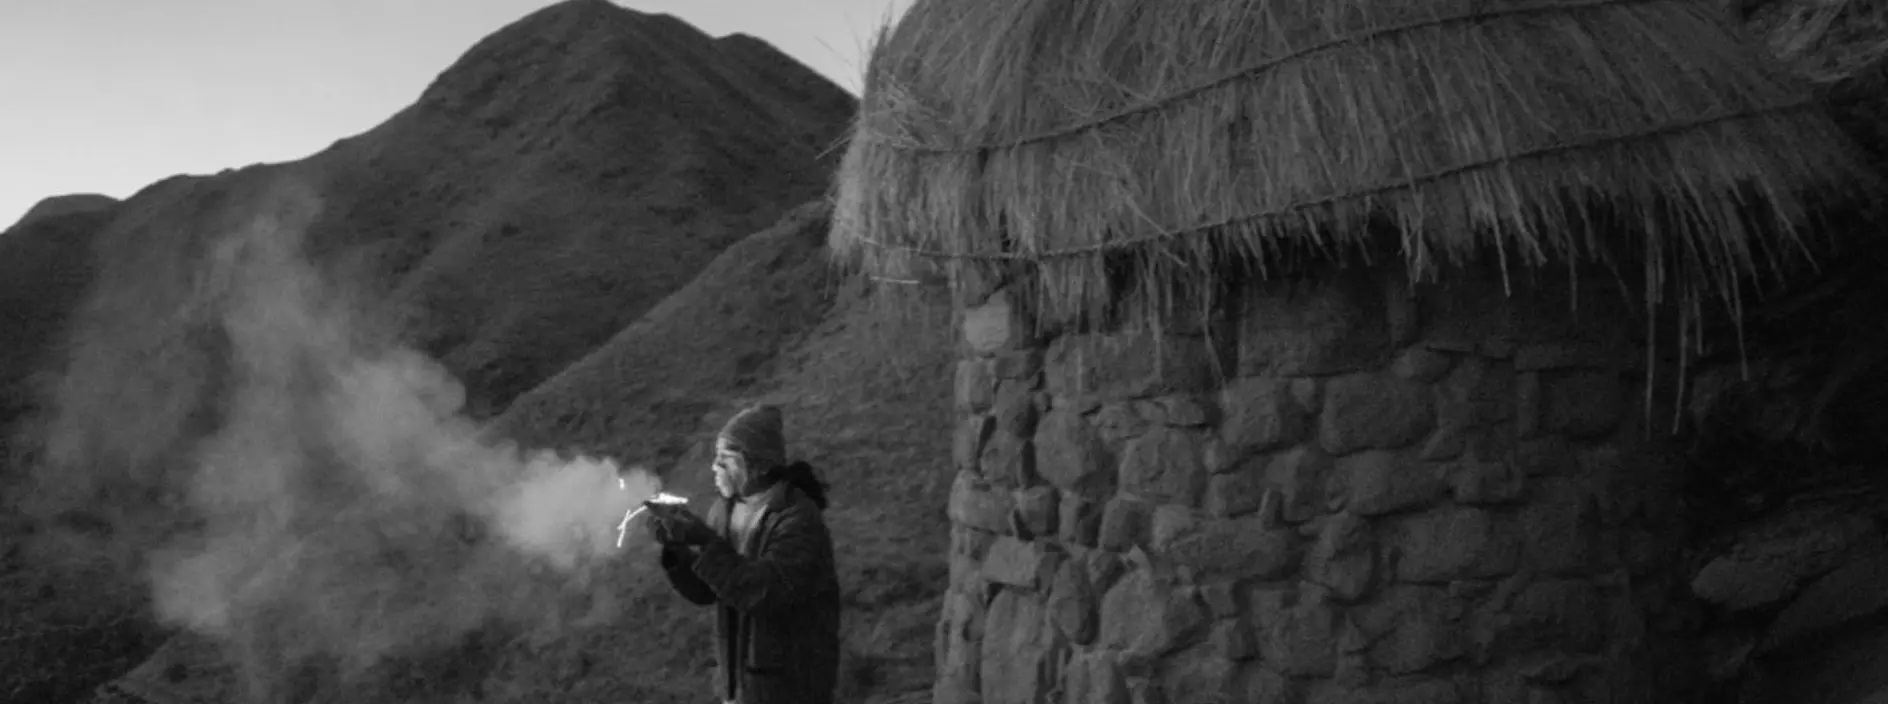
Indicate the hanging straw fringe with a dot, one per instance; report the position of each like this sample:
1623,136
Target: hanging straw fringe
1132,155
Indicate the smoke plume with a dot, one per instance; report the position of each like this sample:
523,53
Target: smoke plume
328,496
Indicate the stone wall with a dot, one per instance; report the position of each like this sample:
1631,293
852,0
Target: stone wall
1338,493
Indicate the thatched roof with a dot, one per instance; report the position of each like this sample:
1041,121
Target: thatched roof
1092,145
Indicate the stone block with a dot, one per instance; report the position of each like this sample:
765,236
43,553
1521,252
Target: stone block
1392,691
995,326
975,504
1343,559
1221,597
1560,614
976,385
1014,563
1021,365
1583,404
959,639
1237,493
1008,461
1373,411
1177,411
1302,641
1103,569
968,540
1079,521
1527,405
1561,529
1124,523
1546,457
1411,629
967,443
1016,409
1259,684
1036,512
1331,325
1071,458
1764,569
1261,415
1020,651
1420,364
1139,615
1232,640
1072,603
1453,543
1117,422
1094,676
1165,465
1240,548
1381,482
1301,476
1196,676
1130,365
1474,482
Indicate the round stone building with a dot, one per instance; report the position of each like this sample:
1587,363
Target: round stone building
1325,352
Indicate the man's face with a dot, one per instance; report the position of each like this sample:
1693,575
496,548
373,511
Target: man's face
730,469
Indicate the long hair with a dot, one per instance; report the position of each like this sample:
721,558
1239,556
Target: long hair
801,476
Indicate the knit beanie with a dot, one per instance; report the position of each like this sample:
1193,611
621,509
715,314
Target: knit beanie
756,432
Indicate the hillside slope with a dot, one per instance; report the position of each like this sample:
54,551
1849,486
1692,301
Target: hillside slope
64,205
568,173
560,178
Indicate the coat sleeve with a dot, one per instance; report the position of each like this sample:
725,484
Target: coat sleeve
787,572
678,563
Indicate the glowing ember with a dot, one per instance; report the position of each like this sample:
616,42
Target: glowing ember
662,498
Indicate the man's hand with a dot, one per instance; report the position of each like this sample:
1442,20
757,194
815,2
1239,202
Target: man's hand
675,525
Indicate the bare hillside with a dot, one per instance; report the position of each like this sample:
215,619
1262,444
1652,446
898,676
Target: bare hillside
553,185
565,174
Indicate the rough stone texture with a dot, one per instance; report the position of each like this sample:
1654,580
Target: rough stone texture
1071,458
1381,482
976,385
1036,512
1454,543
979,506
994,326
1261,415
1124,523
1018,648
1165,466
1301,476
1214,547
1141,616
1372,410
1079,521
1764,571
1129,365
967,445
1344,557
1015,408
1394,499
1014,563
1008,460
1328,327
1237,493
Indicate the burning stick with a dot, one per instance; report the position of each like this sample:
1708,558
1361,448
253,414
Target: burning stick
661,498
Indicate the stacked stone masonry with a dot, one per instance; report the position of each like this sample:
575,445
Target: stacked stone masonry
1333,497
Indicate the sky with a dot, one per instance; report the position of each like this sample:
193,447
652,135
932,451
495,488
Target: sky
108,96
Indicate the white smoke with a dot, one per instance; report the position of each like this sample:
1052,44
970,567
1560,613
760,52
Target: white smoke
336,500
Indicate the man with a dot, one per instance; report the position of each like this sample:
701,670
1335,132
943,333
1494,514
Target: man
764,559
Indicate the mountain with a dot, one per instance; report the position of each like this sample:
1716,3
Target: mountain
552,186
65,205
562,176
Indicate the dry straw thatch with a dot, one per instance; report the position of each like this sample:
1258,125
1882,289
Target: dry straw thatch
1110,151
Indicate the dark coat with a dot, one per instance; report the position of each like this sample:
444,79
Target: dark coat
777,607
